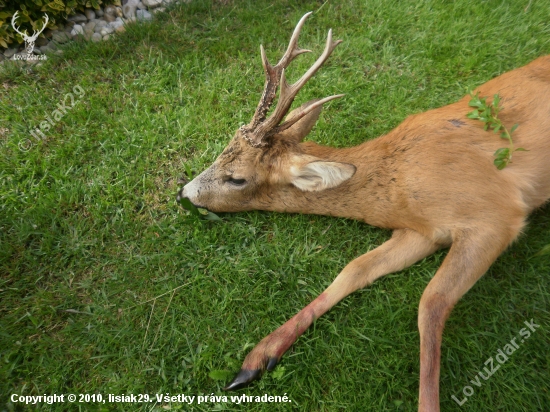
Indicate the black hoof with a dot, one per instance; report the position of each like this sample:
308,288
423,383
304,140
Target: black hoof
272,363
243,378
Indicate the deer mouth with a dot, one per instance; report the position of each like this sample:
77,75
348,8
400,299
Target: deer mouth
186,203
198,211
180,196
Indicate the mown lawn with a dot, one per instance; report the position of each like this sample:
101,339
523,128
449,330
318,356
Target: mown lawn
107,286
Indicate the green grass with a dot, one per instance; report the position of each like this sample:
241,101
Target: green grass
108,287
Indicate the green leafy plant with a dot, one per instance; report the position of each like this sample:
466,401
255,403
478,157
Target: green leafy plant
488,114
278,373
197,211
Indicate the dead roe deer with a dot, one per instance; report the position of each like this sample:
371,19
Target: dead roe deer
432,180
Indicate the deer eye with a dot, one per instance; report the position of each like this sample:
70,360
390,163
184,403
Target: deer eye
236,182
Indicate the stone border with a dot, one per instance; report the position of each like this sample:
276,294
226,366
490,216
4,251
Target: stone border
94,25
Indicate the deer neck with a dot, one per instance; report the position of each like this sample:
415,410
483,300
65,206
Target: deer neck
367,187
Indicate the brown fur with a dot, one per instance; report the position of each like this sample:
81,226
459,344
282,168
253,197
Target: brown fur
431,179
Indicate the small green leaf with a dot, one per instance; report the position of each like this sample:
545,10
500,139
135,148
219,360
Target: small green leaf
473,115
500,164
514,127
544,251
496,100
474,102
213,217
199,211
187,205
502,157
278,373
220,375
503,151
521,149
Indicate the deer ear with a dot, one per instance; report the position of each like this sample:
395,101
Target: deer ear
311,174
302,127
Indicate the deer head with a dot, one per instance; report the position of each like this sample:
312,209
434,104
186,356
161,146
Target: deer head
265,164
29,40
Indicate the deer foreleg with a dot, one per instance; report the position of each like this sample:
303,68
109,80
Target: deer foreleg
470,256
402,250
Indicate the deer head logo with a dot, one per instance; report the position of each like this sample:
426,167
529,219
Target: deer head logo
29,40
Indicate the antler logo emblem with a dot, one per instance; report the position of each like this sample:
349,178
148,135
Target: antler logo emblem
29,40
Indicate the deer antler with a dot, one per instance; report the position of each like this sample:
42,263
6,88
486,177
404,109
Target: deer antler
46,20
260,128
24,35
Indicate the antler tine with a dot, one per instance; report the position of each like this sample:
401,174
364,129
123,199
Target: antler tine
14,17
260,127
329,48
293,50
46,20
282,127
290,54
273,75
288,92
